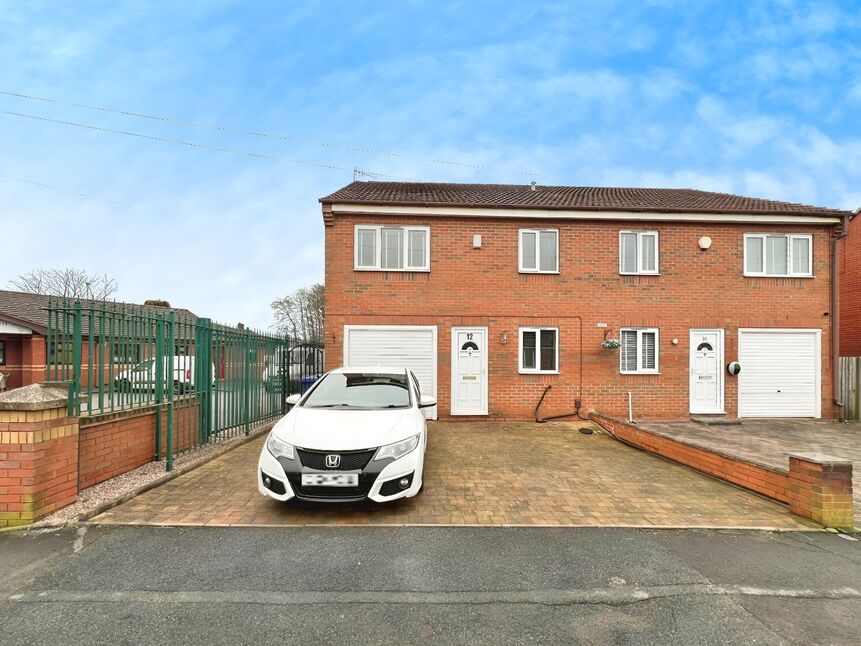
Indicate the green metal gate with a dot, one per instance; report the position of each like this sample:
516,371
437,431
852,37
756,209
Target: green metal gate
203,381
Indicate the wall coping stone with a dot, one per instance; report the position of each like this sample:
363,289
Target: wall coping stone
35,397
821,458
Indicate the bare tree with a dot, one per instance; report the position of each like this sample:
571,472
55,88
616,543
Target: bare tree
68,282
301,313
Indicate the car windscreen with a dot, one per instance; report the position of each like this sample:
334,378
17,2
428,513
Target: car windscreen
362,390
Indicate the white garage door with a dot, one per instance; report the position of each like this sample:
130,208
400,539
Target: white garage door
780,373
402,346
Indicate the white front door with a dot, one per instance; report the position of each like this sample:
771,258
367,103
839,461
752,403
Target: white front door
469,371
706,371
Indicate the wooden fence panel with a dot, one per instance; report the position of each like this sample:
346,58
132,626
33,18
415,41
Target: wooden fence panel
850,370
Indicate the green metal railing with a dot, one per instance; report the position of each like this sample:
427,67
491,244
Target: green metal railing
203,381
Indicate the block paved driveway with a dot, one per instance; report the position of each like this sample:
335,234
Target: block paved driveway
511,473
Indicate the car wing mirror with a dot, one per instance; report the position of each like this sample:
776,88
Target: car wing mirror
426,401
292,400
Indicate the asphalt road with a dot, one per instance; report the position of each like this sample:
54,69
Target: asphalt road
129,585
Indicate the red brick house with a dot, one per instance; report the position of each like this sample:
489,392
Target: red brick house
850,290
499,295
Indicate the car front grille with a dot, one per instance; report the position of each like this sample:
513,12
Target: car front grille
350,460
345,494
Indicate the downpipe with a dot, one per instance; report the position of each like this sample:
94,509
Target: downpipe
836,381
578,402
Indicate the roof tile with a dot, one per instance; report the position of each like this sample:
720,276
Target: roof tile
665,200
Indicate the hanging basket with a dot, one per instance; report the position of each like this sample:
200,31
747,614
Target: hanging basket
611,344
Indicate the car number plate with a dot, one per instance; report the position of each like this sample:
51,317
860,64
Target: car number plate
330,479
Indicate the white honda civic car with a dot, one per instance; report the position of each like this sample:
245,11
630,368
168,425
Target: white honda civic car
356,434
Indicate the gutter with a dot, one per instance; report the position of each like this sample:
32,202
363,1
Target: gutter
836,381
815,212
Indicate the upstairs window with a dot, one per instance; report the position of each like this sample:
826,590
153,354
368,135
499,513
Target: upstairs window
539,350
381,248
539,251
778,255
638,252
639,351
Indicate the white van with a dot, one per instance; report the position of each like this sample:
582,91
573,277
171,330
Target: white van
143,375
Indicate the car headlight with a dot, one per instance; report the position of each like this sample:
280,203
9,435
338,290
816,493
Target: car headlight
398,449
278,448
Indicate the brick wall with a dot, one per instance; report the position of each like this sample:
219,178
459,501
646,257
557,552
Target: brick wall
109,448
469,286
24,361
12,363
850,291
112,445
815,487
821,489
38,464
768,482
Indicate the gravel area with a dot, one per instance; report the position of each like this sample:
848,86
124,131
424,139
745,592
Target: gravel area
89,499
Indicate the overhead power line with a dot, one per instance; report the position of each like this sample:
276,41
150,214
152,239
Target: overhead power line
253,133
77,193
191,144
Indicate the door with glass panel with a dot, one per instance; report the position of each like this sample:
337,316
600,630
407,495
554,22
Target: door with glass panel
469,371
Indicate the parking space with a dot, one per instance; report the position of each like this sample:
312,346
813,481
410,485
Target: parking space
511,473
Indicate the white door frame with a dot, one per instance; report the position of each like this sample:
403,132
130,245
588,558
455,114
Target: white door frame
721,409
486,377
815,331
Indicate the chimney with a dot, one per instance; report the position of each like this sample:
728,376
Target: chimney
532,186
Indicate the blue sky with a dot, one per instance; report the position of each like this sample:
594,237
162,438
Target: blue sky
758,98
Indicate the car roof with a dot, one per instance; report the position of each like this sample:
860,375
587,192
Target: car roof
386,370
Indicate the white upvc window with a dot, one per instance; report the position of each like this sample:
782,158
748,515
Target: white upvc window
539,251
385,248
767,254
638,252
640,351
539,350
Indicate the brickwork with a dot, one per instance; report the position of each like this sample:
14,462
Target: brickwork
24,361
112,445
110,448
850,291
814,487
47,457
467,286
38,464
821,489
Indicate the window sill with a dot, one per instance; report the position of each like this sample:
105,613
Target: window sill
537,372
530,271
641,372
639,273
400,271
783,276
